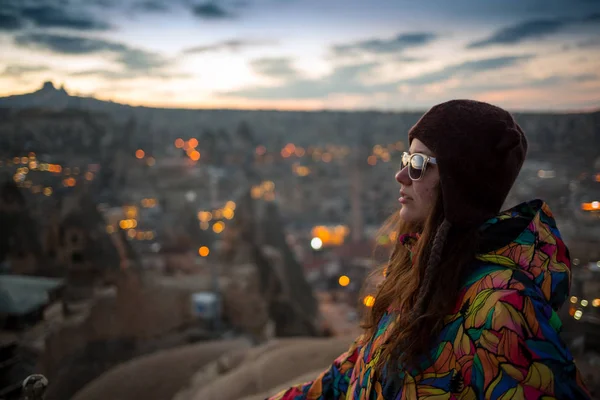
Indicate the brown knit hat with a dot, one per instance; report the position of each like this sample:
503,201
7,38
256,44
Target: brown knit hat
479,150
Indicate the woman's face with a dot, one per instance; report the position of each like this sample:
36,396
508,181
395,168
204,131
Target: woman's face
418,197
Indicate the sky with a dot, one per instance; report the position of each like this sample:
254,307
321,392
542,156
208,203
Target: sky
390,55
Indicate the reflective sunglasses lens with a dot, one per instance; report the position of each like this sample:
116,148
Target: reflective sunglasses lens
405,160
415,168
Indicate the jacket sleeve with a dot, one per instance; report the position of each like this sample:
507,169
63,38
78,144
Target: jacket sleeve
518,353
331,384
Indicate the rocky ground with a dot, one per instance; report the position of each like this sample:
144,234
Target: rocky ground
229,369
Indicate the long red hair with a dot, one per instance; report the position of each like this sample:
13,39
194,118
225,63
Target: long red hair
422,287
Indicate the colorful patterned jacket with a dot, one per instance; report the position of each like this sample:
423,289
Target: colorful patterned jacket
502,340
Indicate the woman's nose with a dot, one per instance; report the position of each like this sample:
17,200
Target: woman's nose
402,177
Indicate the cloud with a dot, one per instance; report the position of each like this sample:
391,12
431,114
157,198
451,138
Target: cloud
144,6
470,88
17,71
151,6
533,29
130,58
233,45
240,3
468,67
47,16
135,59
407,59
9,22
126,74
520,32
16,14
105,73
592,18
275,67
211,11
384,46
586,78
591,42
67,44
344,79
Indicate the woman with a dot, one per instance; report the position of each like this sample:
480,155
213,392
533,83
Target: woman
468,308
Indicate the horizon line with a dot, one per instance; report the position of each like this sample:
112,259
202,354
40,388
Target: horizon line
584,110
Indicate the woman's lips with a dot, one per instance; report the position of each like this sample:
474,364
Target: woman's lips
404,198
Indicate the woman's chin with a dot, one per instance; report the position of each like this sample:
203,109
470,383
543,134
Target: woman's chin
407,215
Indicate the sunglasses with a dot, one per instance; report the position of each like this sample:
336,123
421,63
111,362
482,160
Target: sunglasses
417,164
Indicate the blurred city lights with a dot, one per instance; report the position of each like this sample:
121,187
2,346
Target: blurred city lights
268,185
218,227
205,216
344,281
149,203
191,196
195,155
203,251
131,212
369,301
593,206
69,182
127,224
256,192
261,150
316,243
331,236
228,213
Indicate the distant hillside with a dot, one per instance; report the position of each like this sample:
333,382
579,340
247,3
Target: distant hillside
49,97
552,135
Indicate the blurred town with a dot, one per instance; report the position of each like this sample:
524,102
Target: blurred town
148,251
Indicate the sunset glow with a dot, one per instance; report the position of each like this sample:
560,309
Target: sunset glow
307,55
